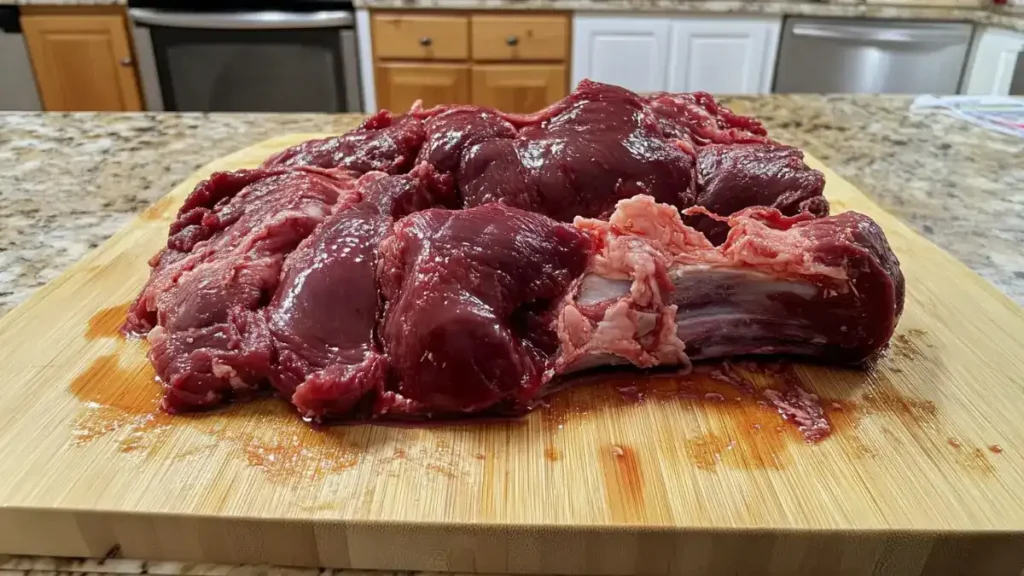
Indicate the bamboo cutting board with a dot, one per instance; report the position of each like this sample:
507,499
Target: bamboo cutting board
924,472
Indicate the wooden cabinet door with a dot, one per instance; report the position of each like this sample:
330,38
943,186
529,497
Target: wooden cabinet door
401,84
518,87
82,62
627,51
723,54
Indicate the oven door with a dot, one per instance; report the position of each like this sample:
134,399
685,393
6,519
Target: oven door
247,61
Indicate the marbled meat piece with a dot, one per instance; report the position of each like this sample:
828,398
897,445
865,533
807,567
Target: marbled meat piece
659,293
700,118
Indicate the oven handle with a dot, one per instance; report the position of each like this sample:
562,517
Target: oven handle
262,20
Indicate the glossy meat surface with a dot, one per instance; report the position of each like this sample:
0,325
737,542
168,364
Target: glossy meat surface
424,265
222,262
600,145
469,301
383,143
733,177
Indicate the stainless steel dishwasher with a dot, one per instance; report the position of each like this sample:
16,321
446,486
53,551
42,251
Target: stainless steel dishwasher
832,55
17,83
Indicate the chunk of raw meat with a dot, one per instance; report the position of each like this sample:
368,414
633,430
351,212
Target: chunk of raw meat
699,117
731,178
660,293
469,307
382,143
224,258
323,317
346,274
602,145
452,131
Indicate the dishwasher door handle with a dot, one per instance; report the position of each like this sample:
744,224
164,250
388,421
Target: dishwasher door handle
881,35
260,20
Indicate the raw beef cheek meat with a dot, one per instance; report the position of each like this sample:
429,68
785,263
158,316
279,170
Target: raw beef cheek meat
733,177
222,263
422,265
469,307
323,317
582,154
599,145
660,293
382,143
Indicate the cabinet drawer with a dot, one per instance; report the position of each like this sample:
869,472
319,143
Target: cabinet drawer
420,37
400,84
515,38
520,88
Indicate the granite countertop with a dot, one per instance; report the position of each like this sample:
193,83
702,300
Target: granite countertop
72,180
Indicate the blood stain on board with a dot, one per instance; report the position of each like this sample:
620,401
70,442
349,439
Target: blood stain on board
995,449
123,402
975,461
624,483
552,454
107,322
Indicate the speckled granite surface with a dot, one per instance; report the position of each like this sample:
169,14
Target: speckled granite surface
72,180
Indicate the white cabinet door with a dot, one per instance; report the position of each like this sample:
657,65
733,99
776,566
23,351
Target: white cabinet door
723,54
620,49
991,63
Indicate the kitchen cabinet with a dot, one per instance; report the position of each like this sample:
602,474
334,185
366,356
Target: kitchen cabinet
401,84
723,55
515,62
518,87
719,54
991,64
82,58
630,52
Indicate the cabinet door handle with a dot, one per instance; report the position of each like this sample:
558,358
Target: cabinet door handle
125,61
426,41
512,40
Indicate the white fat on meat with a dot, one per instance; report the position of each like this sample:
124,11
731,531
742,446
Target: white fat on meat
658,293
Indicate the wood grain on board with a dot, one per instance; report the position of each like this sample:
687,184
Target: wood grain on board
924,473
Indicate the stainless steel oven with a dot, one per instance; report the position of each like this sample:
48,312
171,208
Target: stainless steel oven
238,59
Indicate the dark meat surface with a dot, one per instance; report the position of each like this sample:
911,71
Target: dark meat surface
383,143
223,261
468,299
461,260
600,145
733,177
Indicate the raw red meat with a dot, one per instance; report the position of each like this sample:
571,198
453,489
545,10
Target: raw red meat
416,266
599,145
223,262
323,317
469,300
382,143
699,117
731,178
660,293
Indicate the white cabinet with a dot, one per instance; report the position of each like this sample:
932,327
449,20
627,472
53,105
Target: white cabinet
630,52
723,55
992,61
719,54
